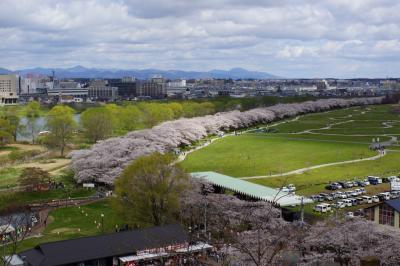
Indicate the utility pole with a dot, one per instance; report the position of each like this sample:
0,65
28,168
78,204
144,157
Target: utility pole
205,216
102,223
302,211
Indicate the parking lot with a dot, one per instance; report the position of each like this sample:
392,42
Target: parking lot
353,193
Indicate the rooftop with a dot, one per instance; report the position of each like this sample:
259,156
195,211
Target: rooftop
250,189
103,246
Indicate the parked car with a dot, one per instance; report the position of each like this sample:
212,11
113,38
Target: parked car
362,183
317,198
390,179
349,215
326,196
348,202
349,193
355,183
323,207
367,199
354,201
360,200
344,184
384,196
374,180
341,195
333,186
375,199
340,204
394,194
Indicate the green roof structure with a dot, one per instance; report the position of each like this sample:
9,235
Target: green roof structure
250,189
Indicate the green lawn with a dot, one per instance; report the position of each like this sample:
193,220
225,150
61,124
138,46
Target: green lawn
250,155
315,180
74,222
9,176
339,138
271,153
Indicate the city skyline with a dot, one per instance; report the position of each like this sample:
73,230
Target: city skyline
292,39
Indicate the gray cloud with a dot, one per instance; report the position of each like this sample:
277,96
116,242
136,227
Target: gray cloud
289,38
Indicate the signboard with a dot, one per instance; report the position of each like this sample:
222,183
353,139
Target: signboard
395,185
88,185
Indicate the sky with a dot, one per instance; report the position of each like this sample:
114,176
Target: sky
288,38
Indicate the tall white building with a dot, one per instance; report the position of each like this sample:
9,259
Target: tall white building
29,85
9,87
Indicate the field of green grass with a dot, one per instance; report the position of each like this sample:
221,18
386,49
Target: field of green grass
305,142
314,181
74,222
251,155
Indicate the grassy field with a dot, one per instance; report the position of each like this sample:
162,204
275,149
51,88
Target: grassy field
250,155
74,222
315,180
304,142
15,157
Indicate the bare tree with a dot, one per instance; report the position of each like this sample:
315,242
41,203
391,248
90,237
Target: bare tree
14,228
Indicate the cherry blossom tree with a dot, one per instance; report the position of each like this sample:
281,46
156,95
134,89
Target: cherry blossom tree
107,159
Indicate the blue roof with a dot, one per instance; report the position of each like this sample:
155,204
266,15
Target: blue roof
394,203
250,189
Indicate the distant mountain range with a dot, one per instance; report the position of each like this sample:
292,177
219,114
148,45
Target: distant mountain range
83,72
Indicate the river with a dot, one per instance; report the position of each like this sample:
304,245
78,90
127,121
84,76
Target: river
40,124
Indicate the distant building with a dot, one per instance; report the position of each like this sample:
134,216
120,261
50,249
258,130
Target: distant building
128,79
29,85
99,90
9,88
177,89
127,87
68,84
66,95
155,88
179,83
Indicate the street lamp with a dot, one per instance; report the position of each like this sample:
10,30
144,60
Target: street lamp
102,223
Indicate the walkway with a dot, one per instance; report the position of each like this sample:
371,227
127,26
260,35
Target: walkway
302,170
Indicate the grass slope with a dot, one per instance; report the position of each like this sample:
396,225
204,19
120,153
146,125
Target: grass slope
70,222
314,181
250,155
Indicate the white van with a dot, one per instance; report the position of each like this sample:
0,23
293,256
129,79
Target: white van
323,207
375,199
367,199
348,202
384,196
340,204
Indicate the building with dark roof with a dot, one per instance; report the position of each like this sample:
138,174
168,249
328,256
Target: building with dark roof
122,248
127,89
387,213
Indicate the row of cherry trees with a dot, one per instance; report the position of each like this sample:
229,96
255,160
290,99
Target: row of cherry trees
106,160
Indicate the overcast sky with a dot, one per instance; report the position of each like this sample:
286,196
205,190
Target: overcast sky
321,38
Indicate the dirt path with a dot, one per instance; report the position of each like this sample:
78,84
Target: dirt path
52,166
302,170
23,147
